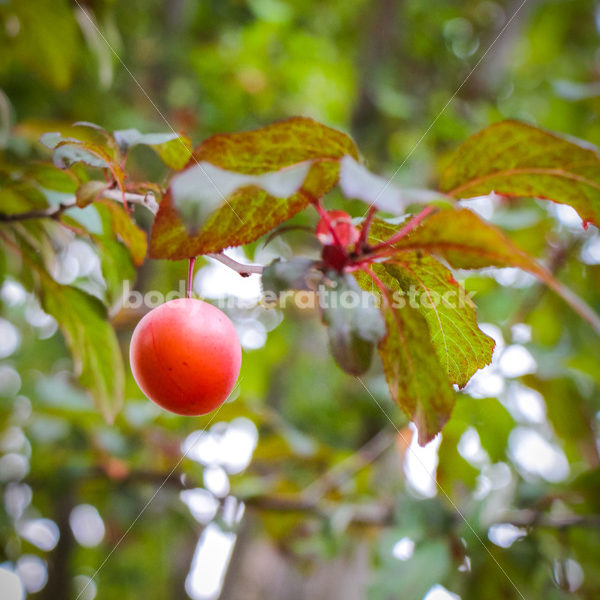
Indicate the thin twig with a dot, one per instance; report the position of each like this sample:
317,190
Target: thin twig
243,270
148,201
532,518
52,212
340,472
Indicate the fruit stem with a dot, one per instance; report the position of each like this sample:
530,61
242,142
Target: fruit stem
190,276
412,224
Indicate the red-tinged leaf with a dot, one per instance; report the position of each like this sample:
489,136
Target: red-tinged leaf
276,146
462,348
461,237
250,212
468,242
520,160
415,377
203,188
143,187
132,236
67,152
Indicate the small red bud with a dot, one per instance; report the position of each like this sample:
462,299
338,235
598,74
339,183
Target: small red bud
347,234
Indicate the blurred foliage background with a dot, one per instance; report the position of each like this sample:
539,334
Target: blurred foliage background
302,483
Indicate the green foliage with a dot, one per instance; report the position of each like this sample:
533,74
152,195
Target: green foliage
92,342
329,491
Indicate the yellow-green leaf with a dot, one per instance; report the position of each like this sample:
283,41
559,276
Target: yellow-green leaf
515,159
417,381
430,288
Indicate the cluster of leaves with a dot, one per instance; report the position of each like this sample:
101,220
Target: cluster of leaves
234,188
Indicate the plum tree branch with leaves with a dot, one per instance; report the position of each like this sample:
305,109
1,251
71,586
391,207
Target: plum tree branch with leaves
232,189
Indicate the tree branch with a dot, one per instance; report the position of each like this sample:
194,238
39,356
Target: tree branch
533,518
342,471
148,201
378,514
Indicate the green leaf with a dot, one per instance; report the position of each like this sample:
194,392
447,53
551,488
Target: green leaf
123,225
356,181
116,266
493,424
251,212
51,139
492,421
354,323
417,381
126,138
515,159
51,178
461,346
93,126
294,274
21,197
175,153
92,341
174,149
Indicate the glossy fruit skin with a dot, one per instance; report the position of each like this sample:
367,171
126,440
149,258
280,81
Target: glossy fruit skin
346,232
185,356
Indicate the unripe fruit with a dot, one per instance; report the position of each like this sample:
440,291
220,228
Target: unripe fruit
345,231
185,356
